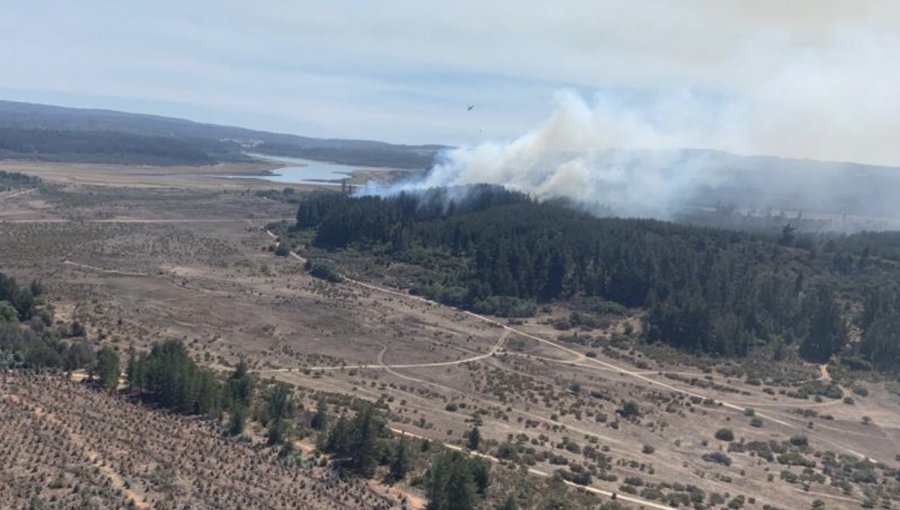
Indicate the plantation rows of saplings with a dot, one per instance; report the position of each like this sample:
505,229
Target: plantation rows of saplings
166,376
714,291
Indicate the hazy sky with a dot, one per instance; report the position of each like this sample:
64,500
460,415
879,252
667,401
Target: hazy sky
814,78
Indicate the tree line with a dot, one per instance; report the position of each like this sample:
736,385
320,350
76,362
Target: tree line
454,481
18,303
111,147
168,376
880,323
498,251
14,180
359,443
28,337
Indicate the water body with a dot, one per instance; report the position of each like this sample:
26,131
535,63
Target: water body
303,171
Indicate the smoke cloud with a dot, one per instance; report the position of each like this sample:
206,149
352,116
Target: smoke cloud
595,154
832,95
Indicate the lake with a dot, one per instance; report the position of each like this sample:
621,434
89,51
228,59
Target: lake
302,171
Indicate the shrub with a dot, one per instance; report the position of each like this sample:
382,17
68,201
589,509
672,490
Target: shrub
737,502
856,363
576,474
629,409
505,306
717,458
795,459
725,435
799,441
324,270
507,451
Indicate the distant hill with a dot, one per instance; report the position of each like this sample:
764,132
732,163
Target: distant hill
112,147
755,193
198,143
746,192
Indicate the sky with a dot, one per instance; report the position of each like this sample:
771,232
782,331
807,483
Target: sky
807,78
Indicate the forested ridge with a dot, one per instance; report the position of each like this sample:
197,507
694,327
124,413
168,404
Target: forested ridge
167,140
705,290
112,147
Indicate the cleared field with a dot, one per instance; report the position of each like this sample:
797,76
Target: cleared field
210,177
140,176
140,264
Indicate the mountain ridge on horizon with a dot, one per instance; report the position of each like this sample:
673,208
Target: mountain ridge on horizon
738,182
29,115
34,116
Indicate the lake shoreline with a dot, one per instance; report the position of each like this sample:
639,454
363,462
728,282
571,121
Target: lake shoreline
299,171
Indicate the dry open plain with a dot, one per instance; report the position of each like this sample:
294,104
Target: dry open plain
141,258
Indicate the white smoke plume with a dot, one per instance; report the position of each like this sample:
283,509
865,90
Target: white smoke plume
652,153
578,154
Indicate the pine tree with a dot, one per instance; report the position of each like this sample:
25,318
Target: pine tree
481,474
319,420
279,407
338,442
108,368
238,396
457,482
402,461
236,421
209,394
240,386
510,503
131,371
827,331
365,441
461,490
881,341
474,439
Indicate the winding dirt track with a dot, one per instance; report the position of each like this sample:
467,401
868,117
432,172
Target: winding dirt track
380,364
598,364
575,358
103,270
16,194
623,497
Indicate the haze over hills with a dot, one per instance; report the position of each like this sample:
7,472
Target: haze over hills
684,185
227,140
691,185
